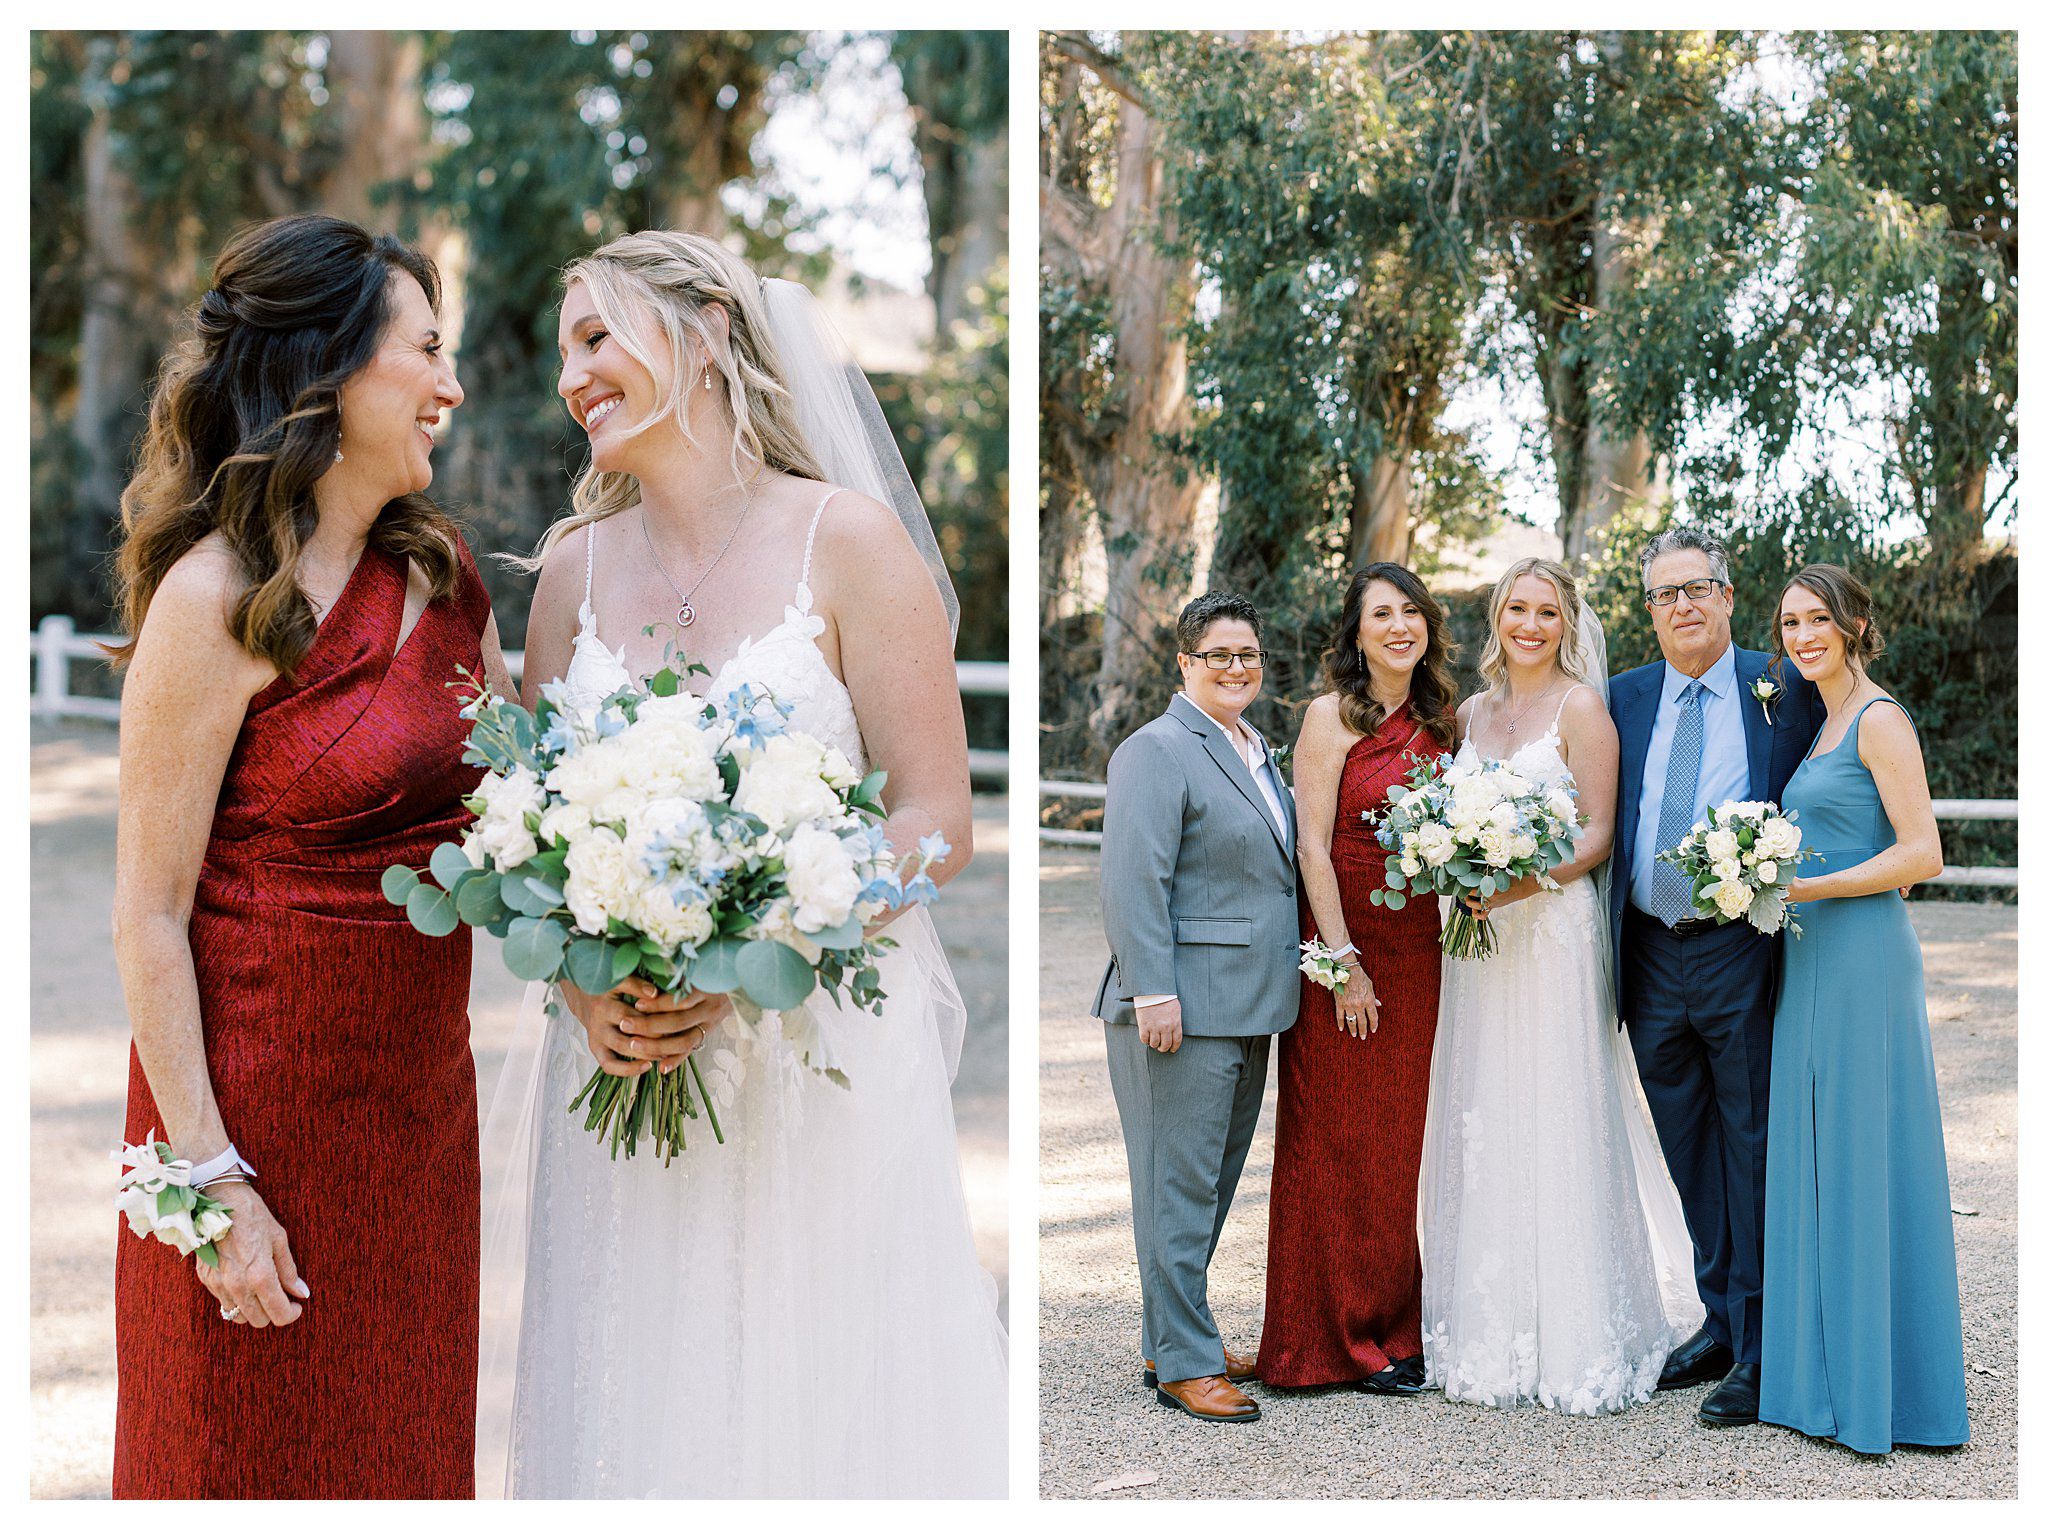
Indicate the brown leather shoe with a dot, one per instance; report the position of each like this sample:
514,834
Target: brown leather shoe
1235,1368
1209,1397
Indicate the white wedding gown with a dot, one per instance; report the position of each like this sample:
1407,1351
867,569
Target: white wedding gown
796,1313
1556,1267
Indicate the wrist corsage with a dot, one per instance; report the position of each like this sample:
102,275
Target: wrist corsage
1322,965
161,1200
1765,693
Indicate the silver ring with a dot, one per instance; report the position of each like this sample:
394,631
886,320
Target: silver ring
230,1313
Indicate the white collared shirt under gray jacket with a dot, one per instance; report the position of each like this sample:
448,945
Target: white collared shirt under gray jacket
1199,900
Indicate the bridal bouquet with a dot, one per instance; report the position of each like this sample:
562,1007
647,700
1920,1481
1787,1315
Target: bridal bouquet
696,844
1740,861
1475,826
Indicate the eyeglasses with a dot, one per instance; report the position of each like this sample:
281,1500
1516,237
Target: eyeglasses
1220,658
1695,590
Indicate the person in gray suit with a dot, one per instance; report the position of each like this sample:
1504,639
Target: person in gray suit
1198,902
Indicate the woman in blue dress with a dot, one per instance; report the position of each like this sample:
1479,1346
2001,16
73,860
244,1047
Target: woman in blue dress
1863,1337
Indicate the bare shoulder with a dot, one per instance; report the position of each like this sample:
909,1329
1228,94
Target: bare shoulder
1584,708
187,631
562,570
1886,732
856,531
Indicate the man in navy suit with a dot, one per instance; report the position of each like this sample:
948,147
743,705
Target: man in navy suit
1695,995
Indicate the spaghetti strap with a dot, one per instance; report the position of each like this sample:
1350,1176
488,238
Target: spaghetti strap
589,558
1558,716
803,580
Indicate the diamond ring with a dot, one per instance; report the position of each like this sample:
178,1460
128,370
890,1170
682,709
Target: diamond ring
230,1313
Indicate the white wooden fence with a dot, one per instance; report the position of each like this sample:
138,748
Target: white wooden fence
1944,807
56,643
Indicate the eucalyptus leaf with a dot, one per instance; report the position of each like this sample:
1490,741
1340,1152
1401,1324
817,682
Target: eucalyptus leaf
447,863
431,911
841,937
477,900
716,967
550,896
589,964
398,883
518,895
624,960
774,976
533,949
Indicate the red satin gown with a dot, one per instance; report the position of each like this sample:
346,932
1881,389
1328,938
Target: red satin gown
337,1038
1343,1267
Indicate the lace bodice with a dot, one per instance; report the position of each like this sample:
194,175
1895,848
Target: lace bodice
1541,760
785,661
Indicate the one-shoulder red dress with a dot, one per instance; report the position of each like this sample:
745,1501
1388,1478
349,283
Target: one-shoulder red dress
1343,1265
337,1038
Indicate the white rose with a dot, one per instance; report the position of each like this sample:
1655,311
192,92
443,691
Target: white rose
1410,866
1504,816
1558,803
1493,846
672,924
1523,846
1434,843
139,1207
1733,899
1722,845
1779,839
565,820
1767,872
1728,871
211,1223
821,878
1508,784
602,880
178,1231
838,770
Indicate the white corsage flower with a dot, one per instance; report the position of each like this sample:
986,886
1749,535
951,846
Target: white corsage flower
1765,693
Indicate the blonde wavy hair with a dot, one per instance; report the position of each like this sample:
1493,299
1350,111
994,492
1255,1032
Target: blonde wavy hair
658,286
1572,657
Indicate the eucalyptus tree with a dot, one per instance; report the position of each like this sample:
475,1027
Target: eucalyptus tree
1113,379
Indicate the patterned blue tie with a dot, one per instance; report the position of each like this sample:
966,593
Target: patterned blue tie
1670,893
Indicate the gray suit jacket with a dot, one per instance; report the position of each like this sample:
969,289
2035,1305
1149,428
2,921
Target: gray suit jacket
1198,883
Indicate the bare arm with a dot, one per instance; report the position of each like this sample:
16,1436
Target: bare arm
1593,751
187,691
551,620
1888,746
1319,753
896,657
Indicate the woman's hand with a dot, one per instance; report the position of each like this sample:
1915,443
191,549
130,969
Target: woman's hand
1358,1007
1514,892
656,1028
256,1279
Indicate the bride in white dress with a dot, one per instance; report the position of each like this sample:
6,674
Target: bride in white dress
798,1312
1556,1267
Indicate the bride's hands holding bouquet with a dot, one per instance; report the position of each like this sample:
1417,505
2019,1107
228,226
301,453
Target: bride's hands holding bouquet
636,1026
256,1278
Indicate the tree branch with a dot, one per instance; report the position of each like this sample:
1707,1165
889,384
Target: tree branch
1110,71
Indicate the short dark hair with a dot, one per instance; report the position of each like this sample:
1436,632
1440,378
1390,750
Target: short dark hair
1217,605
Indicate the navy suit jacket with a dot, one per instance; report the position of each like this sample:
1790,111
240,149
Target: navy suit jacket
1775,749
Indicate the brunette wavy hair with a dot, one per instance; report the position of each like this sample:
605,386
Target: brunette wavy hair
246,416
1848,604
1432,694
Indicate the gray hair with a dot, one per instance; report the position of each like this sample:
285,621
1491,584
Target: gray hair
1685,539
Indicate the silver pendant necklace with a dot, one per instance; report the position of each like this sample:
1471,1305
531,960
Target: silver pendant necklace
685,612
1525,710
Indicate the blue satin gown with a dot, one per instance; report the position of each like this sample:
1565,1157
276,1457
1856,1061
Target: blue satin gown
1863,1334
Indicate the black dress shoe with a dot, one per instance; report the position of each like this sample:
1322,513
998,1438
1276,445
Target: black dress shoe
1391,1382
1411,1369
1734,1400
1698,1359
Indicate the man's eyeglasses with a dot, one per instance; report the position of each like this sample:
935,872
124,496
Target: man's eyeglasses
1695,590
1220,658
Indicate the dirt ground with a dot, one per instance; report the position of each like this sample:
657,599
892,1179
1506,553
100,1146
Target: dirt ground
78,1061
1101,1435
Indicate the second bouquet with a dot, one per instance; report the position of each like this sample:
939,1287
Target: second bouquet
697,844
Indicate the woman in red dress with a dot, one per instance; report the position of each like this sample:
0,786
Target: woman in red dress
297,610
1343,1270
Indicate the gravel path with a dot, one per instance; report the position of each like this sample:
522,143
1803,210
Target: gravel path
1100,1435
78,1079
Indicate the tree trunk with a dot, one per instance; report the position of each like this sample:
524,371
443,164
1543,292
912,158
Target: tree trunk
123,315
373,79
1381,528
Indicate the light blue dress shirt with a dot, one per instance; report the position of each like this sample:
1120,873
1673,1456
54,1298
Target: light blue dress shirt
1724,761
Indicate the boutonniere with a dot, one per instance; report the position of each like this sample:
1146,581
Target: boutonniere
1282,755
1765,693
